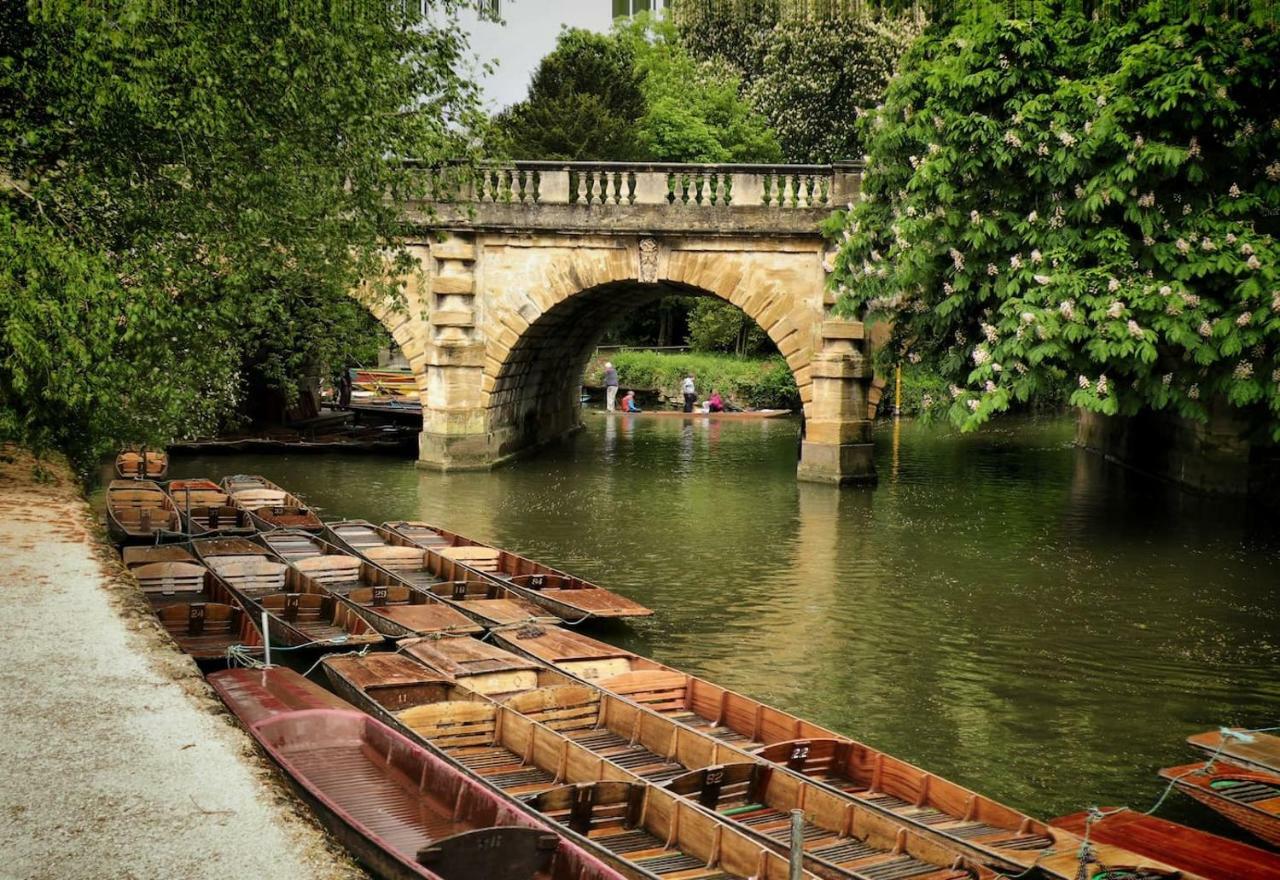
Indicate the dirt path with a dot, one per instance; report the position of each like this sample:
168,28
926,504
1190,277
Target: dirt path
117,759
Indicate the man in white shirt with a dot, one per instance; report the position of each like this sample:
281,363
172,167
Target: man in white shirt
690,393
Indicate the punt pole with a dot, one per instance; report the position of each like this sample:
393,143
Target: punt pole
797,845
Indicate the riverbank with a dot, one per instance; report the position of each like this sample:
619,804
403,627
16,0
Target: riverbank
120,762
758,383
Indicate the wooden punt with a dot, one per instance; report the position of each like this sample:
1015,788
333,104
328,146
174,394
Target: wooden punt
525,759
297,618
481,667
205,508
392,607
1243,748
200,614
1188,849
735,416
453,557
1250,798
138,511
981,827
403,811
659,833
489,602
134,464
842,838
269,507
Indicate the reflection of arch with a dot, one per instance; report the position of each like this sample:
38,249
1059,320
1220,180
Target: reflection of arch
556,298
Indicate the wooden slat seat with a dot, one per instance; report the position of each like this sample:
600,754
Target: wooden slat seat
396,559
170,577
331,569
255,498
479,558
250,575
137,556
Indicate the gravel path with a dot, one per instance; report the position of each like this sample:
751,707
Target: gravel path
117,759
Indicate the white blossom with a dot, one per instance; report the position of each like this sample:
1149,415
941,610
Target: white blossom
1194,391
1186,209
1043,279
1035,254
997,368
1275,300
1244,319
1084,381
973,405
1246,249
1042,149
1273,171
990,332
992,269
1116,309
1243,370
1166,290
1033,217
1234,192
1207,244
1205,329
1015,262
1146,200
1148,240
1253,263
989,386
1182,245
1167,379
1067,308
1067,138
1102,385
957,259
1134,329
1011,138
1113,285
980,355
975,217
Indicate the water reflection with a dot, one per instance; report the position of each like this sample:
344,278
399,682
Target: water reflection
1002,609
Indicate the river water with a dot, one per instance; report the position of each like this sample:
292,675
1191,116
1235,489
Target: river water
1002,609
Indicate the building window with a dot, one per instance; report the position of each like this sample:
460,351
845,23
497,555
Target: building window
627,8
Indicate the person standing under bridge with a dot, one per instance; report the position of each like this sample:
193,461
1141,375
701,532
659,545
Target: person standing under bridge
610,385
690,393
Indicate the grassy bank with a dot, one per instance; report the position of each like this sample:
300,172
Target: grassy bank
748,382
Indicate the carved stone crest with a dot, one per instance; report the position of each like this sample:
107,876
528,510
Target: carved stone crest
648,261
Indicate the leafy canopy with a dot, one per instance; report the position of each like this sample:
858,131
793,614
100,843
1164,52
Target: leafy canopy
185,198
1061,203
809,75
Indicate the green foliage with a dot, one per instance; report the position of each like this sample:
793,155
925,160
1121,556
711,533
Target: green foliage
756,382
585,102
694,110
809,76
633,94
1080,207
184,196
715,325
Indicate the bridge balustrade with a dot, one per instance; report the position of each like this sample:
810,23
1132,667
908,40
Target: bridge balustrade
686,186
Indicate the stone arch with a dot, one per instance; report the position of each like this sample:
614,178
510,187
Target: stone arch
552,304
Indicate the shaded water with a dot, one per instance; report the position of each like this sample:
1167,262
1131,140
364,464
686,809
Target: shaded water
1002,609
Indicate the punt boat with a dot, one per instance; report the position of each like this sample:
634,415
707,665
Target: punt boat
481,667
392,607
1187,849
1242,747
269,507
982,828
526,760
138,511
403,811
842,839
489,602
256,577
723,416
1250,798
197,611
453,557
135,464
205,508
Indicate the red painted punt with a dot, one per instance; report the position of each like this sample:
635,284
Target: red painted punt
1187,849
402,810
1248,797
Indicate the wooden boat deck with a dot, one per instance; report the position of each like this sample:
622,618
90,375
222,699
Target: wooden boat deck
135,464
452,557
138,509
1247,749
401,808
1248,797
269,506
1188,849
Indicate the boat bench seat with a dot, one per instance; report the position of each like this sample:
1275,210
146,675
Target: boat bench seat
330,568
255,498
657,689
397,558
479,558
170,577
252,575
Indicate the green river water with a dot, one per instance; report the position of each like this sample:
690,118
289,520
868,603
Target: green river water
1002,609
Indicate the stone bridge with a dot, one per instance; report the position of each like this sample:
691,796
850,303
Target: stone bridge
525,265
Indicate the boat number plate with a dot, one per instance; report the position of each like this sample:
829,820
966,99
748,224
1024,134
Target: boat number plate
195,619
799,752
715,777
460,590
537,581
379,595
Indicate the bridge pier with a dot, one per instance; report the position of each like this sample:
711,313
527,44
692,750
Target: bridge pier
837,445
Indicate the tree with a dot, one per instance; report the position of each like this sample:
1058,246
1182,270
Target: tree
185,196
809,75
585,102
1085,204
